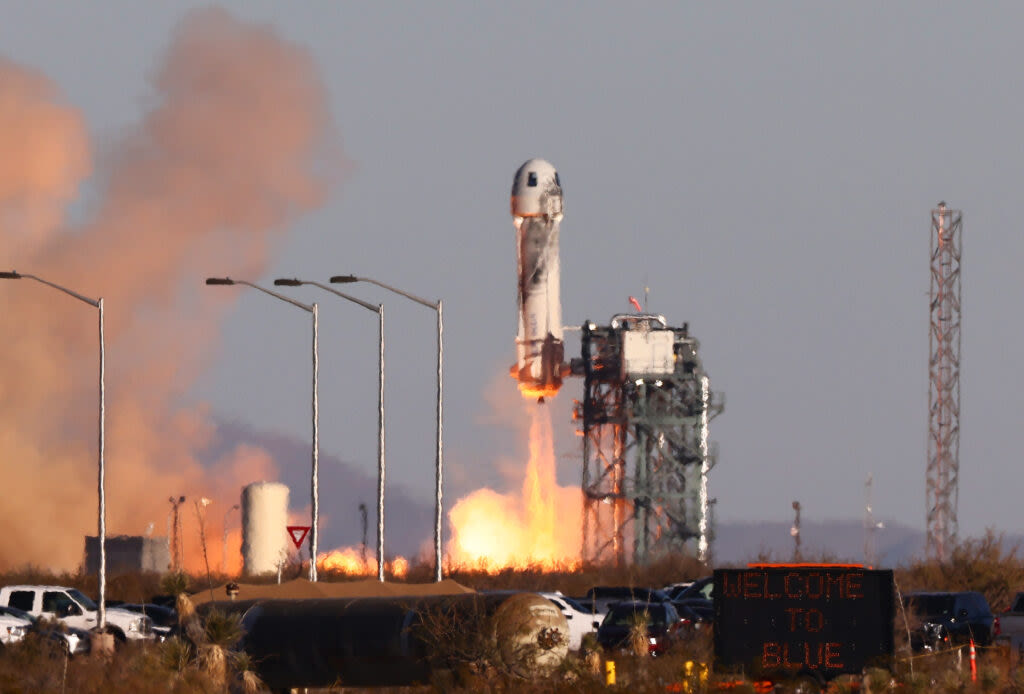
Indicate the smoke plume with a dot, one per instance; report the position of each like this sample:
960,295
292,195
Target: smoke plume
229,153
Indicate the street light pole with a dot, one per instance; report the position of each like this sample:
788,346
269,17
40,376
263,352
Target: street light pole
381,469
101,482
439,465
310,308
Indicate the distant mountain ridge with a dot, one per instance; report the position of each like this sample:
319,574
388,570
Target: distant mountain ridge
834,540
343,486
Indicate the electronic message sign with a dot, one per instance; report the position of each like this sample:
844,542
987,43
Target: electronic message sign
789,619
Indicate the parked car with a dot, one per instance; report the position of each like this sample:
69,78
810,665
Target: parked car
601,598
949,619
663,624
73,608
673,588
579,618
165,620
693,620
699,610
68,639
702,588
1011,624
12,627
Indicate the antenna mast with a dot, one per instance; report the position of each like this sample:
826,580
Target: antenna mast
943,472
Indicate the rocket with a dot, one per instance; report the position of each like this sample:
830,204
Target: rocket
537,213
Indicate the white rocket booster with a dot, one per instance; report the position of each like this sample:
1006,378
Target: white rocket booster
537,213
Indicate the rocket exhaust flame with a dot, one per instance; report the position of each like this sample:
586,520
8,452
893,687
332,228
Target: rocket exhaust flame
350,561
540,527
224,159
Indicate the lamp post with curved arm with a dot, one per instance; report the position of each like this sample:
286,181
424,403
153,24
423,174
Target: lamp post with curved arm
379,310
311,308
102,512
439,466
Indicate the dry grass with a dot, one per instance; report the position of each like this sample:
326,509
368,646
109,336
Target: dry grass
35,667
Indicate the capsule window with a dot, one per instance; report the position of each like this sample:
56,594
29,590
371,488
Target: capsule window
531,179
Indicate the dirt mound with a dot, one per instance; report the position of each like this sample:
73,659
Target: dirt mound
301,589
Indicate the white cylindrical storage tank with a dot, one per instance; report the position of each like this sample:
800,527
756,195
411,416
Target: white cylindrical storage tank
264,527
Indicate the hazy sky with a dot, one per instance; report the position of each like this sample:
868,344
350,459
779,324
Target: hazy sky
767,169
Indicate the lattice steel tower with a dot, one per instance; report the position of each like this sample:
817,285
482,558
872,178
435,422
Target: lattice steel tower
944,384
646,456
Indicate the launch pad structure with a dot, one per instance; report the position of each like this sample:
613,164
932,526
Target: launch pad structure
646,401
644,418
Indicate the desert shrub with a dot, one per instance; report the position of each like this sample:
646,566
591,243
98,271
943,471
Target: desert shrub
35,666
638,633
985,564
174,583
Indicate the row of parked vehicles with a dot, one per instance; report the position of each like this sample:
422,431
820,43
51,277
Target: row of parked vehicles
935,620
671,614
65,616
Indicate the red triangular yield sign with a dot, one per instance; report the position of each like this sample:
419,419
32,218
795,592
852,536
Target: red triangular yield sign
298,533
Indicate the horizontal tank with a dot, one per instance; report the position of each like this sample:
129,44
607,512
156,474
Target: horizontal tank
397,641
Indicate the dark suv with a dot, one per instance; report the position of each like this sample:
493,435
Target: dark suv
661,620
601,598
944,619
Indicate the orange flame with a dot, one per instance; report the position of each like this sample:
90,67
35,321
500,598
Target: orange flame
350,561
538,528
534,391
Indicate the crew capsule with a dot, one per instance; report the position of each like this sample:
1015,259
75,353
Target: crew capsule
536,190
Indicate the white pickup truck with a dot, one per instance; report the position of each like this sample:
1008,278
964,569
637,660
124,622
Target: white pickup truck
75,609
12,629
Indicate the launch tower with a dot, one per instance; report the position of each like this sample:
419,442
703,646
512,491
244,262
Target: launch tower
644,420
943,473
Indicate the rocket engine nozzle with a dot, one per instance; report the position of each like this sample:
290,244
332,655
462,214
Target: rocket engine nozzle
541,371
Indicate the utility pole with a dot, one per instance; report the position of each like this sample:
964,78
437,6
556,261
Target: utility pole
201,505
176,533
362,515
870,526
795,532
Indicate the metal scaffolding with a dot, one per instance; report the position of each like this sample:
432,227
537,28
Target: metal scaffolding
646,456
942,476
